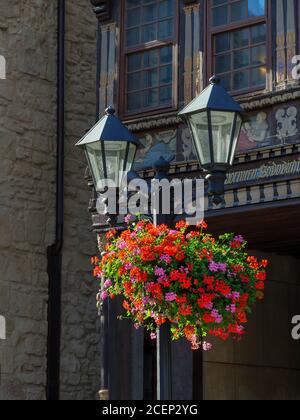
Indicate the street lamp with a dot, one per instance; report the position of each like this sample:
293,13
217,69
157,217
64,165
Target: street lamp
110,149
215,120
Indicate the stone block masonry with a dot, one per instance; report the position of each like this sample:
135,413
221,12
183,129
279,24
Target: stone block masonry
27,199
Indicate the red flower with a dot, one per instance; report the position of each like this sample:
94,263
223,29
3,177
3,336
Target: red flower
208,318
111,234
182,225
185,310
205,301
261,275
182,299
260,285
171,251
126,305
147,254
202,224
180,256
209,282
222,288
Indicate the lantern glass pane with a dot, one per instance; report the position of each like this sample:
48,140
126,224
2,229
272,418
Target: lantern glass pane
199,126
238,127
95,160
130,158
115,155
221,125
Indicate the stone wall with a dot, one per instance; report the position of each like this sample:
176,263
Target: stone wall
27,191
27,199
80,368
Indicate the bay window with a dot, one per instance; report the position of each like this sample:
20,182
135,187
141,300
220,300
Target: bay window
238,43
148,55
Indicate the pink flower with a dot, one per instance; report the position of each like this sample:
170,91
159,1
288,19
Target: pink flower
107,284
160,272
128,218
104,295
170,297
121,244
166,259
153,336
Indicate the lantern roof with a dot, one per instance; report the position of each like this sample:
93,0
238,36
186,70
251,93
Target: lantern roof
108,128
214,98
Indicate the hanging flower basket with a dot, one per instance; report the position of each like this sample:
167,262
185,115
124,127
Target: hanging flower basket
203,286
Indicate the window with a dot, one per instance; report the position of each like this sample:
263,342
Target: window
149,55
239,43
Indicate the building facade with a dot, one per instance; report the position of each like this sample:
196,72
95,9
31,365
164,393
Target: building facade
155,56
149,58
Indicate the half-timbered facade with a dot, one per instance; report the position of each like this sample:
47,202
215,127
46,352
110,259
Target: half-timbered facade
154,57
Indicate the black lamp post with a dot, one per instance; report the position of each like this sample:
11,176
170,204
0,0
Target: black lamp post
215,121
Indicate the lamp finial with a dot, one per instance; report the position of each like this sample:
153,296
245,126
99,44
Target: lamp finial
215,80
110,110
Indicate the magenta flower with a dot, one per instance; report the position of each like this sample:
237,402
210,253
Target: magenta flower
159,272
107,284
214,267
239,238
128,218
104,295
166,258
170,297
236,295
121,244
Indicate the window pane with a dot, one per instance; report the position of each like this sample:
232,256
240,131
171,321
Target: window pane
151,78
256,8
241,59
133,18
226,81
132,37
134,81
166,75
166,9
258,55
165,95
166,55
223,63
149,33
222,43
134,62
151,58
245,48
165,29
241,80
149,13
258,34
133,3
134,101
239,11
220,16
151,98
258,76
240,38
